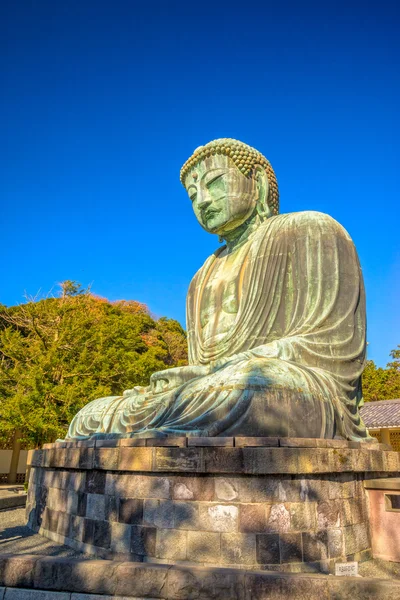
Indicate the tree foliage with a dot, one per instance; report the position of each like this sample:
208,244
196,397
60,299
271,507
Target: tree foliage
59,353
382,384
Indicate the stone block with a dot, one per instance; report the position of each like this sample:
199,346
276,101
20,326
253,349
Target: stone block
351,511
290,547
127,485
120,537
72,503
336,443
32,459
75,575
328,515
63,525
50,520
335,543
218,517
391,461
111,504
107,443
271,460
278,518
102,534
210,441
76,529
171,544
226,489
75,481
200,583
72,457
178,459
295,489
24,594
177,442
376,457
344,460
143,541
204,546
193,488
186,515
303,516
86,458
248,442
257,489
252,518
132,442
81,504
158,513
238,548
290,442
106,459
135,459
141,581
156,487
267,548
88,531
95,508
356,538
95,482
131,511
282,586
351,588
223,460
17,570
315,546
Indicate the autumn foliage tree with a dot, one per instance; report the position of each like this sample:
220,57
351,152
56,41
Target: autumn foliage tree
59,353
382,384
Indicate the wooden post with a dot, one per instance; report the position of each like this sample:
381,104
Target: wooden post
385,436
12,476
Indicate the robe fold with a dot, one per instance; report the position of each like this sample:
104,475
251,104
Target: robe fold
291,363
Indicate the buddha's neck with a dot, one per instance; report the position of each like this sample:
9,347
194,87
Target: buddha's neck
234,239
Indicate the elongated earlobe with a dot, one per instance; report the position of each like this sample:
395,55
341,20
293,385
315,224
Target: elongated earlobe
261,179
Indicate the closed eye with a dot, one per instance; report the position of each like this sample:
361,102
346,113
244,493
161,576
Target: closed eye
209,183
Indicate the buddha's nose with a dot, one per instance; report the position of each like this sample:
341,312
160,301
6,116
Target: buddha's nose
203,199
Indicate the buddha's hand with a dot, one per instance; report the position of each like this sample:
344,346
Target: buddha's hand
163,381
138,390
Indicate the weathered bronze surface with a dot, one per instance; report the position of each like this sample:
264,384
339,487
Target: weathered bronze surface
275,320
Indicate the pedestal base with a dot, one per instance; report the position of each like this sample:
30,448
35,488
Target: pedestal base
278,504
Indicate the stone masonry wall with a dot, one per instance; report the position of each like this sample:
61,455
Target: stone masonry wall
283,508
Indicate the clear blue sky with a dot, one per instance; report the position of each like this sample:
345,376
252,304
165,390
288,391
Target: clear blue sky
102,102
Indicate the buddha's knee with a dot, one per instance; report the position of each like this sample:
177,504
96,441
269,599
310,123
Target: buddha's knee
286,401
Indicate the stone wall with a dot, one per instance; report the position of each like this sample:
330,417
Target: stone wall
297,505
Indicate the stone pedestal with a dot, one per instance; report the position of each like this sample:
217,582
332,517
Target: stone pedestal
250,503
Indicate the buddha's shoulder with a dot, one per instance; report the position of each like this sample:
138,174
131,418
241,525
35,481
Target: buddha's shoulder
307,221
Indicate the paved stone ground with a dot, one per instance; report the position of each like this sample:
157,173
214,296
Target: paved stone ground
16,538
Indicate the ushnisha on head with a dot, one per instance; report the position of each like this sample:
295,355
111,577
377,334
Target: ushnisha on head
245,158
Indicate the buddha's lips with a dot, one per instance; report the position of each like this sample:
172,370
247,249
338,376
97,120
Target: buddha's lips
209,213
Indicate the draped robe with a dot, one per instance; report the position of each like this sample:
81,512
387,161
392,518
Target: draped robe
290,364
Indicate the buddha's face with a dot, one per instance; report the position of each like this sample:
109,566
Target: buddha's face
222,197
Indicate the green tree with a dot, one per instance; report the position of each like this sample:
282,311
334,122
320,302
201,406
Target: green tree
59,353
382,384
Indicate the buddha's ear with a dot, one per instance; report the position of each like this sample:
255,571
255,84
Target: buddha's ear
262,184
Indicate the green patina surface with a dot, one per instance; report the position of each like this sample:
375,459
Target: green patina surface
275,320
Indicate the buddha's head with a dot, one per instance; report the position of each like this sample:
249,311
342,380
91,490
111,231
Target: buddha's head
230,183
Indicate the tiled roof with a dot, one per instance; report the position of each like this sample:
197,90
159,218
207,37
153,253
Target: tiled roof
383,413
